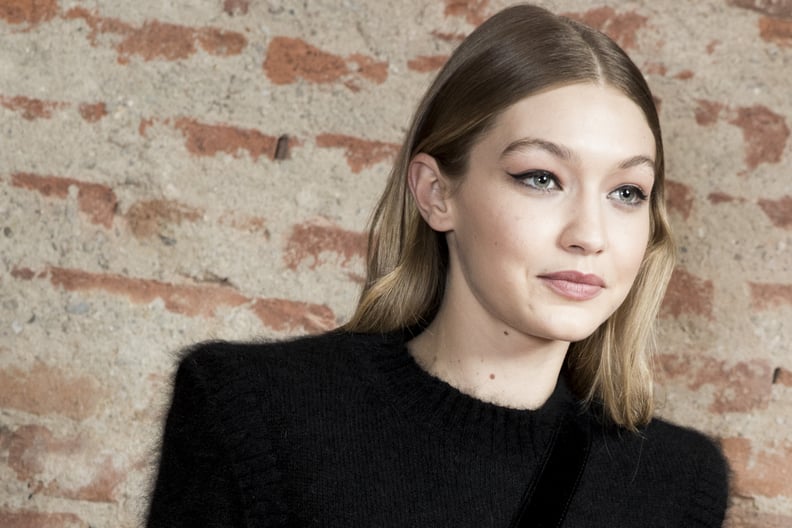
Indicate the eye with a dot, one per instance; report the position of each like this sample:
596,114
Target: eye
540,180
628,195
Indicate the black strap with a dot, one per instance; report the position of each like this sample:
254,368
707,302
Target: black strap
547,499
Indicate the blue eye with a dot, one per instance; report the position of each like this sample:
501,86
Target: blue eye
540,180
628,195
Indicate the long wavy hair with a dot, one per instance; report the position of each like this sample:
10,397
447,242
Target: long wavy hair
520,51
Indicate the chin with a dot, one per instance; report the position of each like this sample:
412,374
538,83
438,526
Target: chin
572,332
573,337
578,324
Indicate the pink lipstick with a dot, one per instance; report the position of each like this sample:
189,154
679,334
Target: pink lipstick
574,285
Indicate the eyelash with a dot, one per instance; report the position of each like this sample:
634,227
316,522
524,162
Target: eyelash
640,196
526,178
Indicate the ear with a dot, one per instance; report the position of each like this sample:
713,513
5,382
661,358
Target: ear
431,190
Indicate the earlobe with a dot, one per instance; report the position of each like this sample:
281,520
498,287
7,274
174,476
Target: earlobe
430,189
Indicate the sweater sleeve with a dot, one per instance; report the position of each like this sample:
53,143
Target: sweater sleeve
195,484
710,497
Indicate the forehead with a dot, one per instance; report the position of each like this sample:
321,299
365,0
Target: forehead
584,118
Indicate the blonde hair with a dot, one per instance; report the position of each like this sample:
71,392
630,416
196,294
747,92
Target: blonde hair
518,52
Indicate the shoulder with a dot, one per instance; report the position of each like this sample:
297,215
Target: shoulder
664,440
281,370
218,358
680,437
684,445
662,475
235,387
228,407
676,470
677,452
700,458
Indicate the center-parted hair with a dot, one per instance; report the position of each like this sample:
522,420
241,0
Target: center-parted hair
518,52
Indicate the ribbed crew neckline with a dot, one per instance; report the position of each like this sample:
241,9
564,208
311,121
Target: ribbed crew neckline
460,418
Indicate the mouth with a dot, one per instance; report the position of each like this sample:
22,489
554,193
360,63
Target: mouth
574,285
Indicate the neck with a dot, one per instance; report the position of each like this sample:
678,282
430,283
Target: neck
488,362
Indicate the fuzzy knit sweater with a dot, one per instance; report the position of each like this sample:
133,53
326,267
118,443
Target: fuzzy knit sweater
346,430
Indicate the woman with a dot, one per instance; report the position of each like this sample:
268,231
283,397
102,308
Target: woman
496,370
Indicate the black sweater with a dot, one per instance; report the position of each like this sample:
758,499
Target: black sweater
347,430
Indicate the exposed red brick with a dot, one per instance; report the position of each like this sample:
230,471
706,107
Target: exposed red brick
427,63
23,273
716,198
778,211
98,25
50,186
448,37
159,40
655,68
623,28
196,300
773,8
782,376
251,224
32,449
32,519
93,112
222,43
707,112
97,201
236,7
283,314
311,239
147,218
688,295
474,11
144,125
685,75
291,58
186,299
765,134
712,45
776,31
738,387
679,198
768,296
357,278
209,140
30,108
47,390
766,472
30,12
370,68
360,153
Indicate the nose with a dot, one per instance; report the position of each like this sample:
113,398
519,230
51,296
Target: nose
585,229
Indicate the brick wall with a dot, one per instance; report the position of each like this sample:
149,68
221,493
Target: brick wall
171,172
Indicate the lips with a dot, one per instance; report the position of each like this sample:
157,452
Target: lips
574,285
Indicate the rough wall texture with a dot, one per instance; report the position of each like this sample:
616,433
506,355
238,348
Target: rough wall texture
173,171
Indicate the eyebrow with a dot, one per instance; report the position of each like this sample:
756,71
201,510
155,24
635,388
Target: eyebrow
564,154
636,161
559,151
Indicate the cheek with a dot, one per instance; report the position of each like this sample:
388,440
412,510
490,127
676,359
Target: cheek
518,234
630,247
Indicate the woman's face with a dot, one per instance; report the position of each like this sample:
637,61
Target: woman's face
550,223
